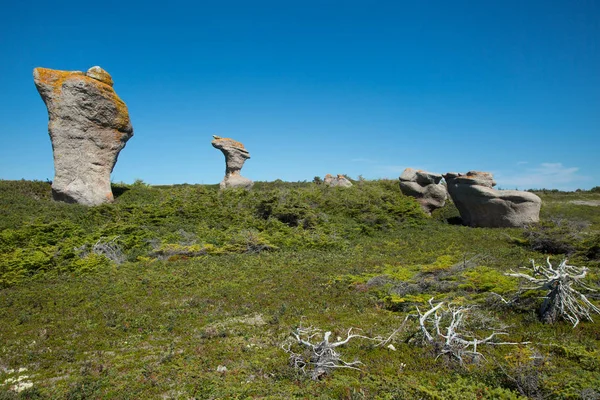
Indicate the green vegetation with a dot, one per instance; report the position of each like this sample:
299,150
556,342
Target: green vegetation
148,296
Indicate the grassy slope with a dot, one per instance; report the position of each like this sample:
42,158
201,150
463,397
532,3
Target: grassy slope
160,326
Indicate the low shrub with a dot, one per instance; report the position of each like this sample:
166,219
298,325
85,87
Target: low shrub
149,221
553,237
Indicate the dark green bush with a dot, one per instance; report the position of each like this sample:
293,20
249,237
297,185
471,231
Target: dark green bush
49,236
219,278
448,214
553,237
590,247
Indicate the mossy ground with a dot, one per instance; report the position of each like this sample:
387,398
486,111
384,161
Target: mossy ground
220,278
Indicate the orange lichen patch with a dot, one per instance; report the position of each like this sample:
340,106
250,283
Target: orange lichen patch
230,141
98,83
100,75
122,120
55,78
109,196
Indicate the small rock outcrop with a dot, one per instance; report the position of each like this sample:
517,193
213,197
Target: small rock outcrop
235,156
339,180
88,126
424,186
482,206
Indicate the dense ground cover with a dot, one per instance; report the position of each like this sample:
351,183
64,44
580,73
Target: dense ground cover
149,296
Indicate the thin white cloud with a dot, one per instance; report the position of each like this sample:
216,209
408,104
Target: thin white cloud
391,169
398,169
363,160
546,175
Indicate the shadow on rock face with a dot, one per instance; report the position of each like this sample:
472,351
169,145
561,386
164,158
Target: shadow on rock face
455,221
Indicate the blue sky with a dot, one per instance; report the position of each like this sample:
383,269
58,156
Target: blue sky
317,87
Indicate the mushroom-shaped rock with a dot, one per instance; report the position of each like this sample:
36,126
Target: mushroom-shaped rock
482,206
88,126
424,186
235,156
339,180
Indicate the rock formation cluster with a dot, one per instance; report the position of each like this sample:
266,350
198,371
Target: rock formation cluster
235,156
339,180
88,126
424,186
482,206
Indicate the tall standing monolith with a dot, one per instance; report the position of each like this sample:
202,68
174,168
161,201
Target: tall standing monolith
88,126
235,156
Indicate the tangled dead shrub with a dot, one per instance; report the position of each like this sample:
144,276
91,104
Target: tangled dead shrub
444,329
320,358
105,247
561,284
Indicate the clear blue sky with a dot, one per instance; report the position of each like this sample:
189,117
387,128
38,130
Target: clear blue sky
315,87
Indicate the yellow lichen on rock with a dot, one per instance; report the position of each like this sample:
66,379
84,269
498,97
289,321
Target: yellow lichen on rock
100,75
229,141
235,155
88,125
122,118
55,78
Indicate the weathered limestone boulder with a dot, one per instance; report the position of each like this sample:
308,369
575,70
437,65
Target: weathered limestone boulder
340,180
424,186
482,206
235,156
88,126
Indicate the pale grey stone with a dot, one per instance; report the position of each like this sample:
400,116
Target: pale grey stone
420,176
476,178
339,181
425,187
482,206
88,126
235,155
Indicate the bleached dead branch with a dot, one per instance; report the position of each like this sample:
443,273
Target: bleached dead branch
104,247
319,358
561,299
449,340
400,329
109,249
